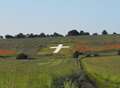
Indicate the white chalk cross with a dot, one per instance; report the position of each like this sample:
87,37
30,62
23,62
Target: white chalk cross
58,48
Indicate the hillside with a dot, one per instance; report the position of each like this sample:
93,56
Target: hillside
48,70
34,45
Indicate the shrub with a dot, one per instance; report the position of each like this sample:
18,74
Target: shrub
118,52
95,34
88,55
96,55
76,54
22,56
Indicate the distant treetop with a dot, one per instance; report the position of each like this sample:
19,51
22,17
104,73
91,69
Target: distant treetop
104,32
55,34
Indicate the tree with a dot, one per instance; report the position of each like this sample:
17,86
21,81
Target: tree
42,35
47,35
114,33
104,32
86,33
57,35
1,37
30,35
20,35
95,34
82,32
73,33
9,36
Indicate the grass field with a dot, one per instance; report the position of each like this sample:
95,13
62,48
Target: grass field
105,70
43,71
46,69
35,74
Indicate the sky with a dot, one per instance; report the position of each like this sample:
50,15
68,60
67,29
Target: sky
36,16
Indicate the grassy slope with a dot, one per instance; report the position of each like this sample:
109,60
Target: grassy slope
105,70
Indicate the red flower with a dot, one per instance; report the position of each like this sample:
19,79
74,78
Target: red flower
7,52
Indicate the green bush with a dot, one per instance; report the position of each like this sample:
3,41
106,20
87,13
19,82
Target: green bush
22,56
76,54
88,55
96,55
118,52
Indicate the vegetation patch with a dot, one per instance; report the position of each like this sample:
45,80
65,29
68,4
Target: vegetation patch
105,70
47,68
22,56
34,74
86,47
7,53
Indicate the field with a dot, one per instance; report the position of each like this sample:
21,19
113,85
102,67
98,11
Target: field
44,71
47,70
35,74
105,70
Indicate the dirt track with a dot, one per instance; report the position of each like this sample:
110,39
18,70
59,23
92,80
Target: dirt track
84,80
80,79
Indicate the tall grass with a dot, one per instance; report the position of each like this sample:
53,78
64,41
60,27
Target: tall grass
34,74
69,84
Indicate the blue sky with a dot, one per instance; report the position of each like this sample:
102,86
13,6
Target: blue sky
59,16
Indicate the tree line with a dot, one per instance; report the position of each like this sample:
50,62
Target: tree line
32,35
43,35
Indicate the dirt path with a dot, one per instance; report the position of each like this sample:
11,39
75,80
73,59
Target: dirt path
80,79
84,80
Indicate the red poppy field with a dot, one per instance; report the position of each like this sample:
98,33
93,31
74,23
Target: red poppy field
87,48
7,52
